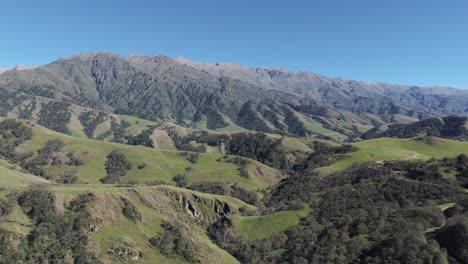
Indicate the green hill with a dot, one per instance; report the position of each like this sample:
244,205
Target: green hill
159,165
381,149
451,127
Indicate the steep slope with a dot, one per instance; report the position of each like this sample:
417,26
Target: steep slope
397,103
155,88
16,68
113,224
224,96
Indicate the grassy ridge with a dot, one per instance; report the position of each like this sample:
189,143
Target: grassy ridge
395,149
118,227
259,227
115,227
15,179
161,165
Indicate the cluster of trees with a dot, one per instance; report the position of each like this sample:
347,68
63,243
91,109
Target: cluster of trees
454,238
55,116
6,207
26,111
90,121
260,147
52,154
117,166
324,154
54,238
444,127
259,251
257,146
117,130
10,99
129,210
185,143
211,139
174,241
142,139
12,134
366,214
181,180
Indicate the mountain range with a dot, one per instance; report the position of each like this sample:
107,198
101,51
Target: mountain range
18,67
224,95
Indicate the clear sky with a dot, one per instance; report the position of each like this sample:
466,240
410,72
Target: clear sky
417,42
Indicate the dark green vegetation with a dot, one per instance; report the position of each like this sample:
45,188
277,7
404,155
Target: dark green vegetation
117,166
259,147
156,160
53,237
398,212
55,116
13,133
444,127
90,121
174,240
239,213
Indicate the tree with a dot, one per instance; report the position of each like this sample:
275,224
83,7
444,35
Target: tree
117,166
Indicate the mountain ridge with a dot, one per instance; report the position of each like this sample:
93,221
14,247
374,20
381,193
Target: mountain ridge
18,67
263,99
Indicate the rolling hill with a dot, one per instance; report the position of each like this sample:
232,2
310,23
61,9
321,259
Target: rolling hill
387,149
450,127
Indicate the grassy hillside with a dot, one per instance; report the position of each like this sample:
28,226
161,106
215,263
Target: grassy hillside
396,149
260,227
452,127
155,205
119,228
11,179
145,215
160,165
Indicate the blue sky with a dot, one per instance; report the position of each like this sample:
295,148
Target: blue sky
399,41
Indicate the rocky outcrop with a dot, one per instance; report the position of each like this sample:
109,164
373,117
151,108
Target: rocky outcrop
189,203
170,201
126,250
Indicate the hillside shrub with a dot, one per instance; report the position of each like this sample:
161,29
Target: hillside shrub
116,166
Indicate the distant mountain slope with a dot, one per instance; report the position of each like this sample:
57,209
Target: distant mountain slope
397,101
160,88
16,68
444,127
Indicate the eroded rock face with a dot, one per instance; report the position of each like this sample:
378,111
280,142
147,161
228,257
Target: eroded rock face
126,250
190,209
189,203
170,202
